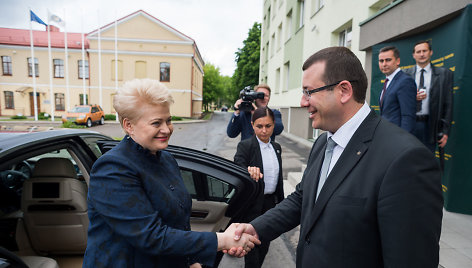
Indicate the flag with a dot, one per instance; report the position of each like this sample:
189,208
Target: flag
35,18
56,19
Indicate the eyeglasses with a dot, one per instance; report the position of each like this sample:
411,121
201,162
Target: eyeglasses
307,93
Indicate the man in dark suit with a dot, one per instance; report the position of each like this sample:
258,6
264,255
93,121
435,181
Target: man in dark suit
371,193
241,120
398,97
434,98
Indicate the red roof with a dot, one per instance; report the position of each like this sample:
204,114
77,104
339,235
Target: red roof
20,37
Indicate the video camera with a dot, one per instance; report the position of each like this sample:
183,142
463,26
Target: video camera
248,95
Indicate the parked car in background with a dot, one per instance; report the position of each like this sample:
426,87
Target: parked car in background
44,179
224,109
85,114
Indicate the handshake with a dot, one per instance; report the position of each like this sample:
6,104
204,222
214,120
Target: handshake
238,239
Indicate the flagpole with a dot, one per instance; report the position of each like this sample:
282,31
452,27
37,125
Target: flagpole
99,62
83,60
33,70
67,97
51,90
116,56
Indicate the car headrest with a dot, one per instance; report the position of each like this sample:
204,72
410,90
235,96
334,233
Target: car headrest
54,167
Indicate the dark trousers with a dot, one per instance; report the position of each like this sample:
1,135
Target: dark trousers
422,133
255,257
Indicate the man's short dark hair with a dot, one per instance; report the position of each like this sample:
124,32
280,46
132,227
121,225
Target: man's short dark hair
262,86
396,52
341,64
423,42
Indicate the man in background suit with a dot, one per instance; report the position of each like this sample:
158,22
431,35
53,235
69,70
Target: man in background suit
381,201
398,97
434,107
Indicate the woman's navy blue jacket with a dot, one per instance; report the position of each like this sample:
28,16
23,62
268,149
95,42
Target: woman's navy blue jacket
139,211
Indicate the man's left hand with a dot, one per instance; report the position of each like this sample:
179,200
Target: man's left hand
442,142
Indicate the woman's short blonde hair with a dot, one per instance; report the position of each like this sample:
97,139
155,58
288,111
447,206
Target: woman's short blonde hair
128,101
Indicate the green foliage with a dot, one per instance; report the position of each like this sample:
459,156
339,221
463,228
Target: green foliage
69,124
247,61
212,85
42,116
18,117
176,118
111,117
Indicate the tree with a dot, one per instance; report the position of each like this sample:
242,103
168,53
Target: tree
212,85
247,61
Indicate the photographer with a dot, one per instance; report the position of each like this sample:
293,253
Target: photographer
241,119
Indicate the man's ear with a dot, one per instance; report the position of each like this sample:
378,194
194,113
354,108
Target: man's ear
346,91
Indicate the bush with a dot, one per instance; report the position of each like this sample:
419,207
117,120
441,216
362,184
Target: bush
69,124
110,117
176,118
18,117
43,116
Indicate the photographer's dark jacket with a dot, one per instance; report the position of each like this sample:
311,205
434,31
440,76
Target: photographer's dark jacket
242,124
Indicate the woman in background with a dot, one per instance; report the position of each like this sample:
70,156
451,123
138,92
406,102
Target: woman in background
262,158
139,208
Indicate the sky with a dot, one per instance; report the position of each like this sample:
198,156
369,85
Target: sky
219,27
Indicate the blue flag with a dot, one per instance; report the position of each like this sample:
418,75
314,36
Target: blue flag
36,18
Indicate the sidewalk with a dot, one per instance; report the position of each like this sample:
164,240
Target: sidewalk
456,235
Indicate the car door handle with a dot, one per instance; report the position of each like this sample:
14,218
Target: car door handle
199,214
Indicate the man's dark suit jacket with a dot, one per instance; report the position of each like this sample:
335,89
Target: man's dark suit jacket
399,102
381,205
440,88
242,124
249,154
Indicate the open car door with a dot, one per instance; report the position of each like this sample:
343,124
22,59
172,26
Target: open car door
221,190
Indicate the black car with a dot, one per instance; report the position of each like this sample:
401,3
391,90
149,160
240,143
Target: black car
43,209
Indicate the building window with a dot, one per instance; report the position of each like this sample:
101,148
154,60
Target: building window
279,36
317,5
268,18
287,76
345,38
117,75
81,101
59,100
140,69
277,81
272,46
83,69
6,65
267,52
58,68
301,13
9,104
30,67
165,72
288,26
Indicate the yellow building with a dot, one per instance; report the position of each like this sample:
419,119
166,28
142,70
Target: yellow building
145,48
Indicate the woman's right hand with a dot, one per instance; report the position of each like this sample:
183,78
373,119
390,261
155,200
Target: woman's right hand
255,173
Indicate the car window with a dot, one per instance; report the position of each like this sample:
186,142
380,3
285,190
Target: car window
92,144
211,188
94,109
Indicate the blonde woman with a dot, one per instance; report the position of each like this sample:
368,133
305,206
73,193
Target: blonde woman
139,208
